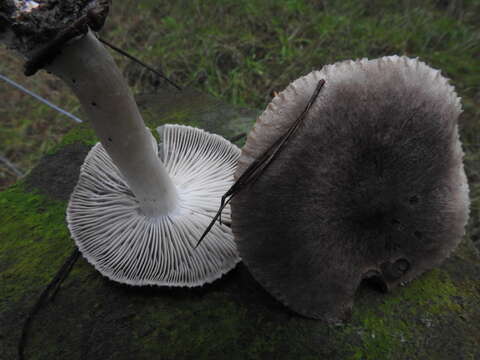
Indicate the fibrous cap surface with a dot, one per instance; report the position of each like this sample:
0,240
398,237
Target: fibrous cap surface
371,186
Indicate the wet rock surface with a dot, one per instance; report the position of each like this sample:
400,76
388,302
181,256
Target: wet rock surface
57,173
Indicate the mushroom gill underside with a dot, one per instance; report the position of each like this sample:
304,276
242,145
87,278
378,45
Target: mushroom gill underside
106,220
371,186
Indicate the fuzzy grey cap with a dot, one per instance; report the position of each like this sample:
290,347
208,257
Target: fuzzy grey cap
371,186
125,245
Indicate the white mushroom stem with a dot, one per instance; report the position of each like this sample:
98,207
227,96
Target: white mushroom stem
87,67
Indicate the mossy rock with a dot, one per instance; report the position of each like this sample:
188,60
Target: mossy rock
437,316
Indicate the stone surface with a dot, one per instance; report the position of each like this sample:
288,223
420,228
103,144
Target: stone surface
437,316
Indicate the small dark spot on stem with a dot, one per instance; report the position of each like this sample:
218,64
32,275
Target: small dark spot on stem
418,234
413,199
94,103
110,139
74,81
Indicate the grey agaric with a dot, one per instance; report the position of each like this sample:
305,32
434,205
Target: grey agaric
371,185
138,209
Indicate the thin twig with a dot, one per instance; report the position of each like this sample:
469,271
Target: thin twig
131,57
11,166
258,166
39,98
53,285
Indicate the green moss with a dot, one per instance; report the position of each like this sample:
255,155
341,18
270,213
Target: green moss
34,242
214,327
176,329
225,320
386,330
82,133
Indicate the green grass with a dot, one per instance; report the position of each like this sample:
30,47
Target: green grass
243,50
46,233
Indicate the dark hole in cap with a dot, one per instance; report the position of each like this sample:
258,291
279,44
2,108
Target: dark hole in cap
373,279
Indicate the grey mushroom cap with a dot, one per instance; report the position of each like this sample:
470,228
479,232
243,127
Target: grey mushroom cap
372,184
125,245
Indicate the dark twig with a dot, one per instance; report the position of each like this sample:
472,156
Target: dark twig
72,259
258,166
131,57
51,289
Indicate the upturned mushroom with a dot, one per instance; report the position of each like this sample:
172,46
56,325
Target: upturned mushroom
137,209
371,186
